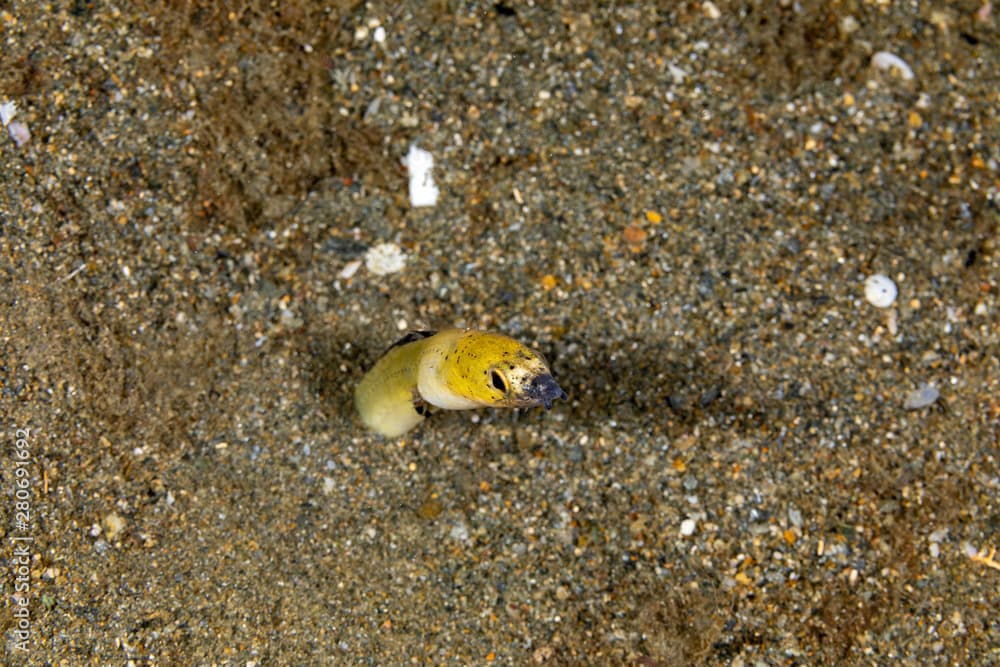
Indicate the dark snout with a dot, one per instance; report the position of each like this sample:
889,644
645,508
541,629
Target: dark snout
545,390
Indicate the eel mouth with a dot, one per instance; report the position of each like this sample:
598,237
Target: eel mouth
544,390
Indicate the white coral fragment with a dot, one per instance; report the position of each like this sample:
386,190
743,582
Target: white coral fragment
384,259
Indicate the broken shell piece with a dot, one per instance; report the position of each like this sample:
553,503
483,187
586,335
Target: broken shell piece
7,112
883,60
420,163
19,132
349,269
923,397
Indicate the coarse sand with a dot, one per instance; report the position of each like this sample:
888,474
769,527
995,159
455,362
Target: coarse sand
677,203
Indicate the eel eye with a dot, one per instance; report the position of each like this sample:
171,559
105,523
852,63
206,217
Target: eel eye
497,380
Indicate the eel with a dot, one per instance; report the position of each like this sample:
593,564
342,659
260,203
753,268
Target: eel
453,369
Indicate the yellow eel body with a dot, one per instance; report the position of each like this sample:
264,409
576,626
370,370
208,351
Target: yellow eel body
454,369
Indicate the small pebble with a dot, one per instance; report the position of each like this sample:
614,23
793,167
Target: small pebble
922,397
891,323
939,535
676,73
880,291
849,25
430,509
687,527
459,532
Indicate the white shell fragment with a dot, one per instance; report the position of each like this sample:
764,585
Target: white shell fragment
349,270
7,112
113,525
880,291
687,527
19,132
922,397
883,60
710,10
384,259
676,73
419,163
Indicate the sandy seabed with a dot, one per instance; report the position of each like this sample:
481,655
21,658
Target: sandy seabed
678,205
